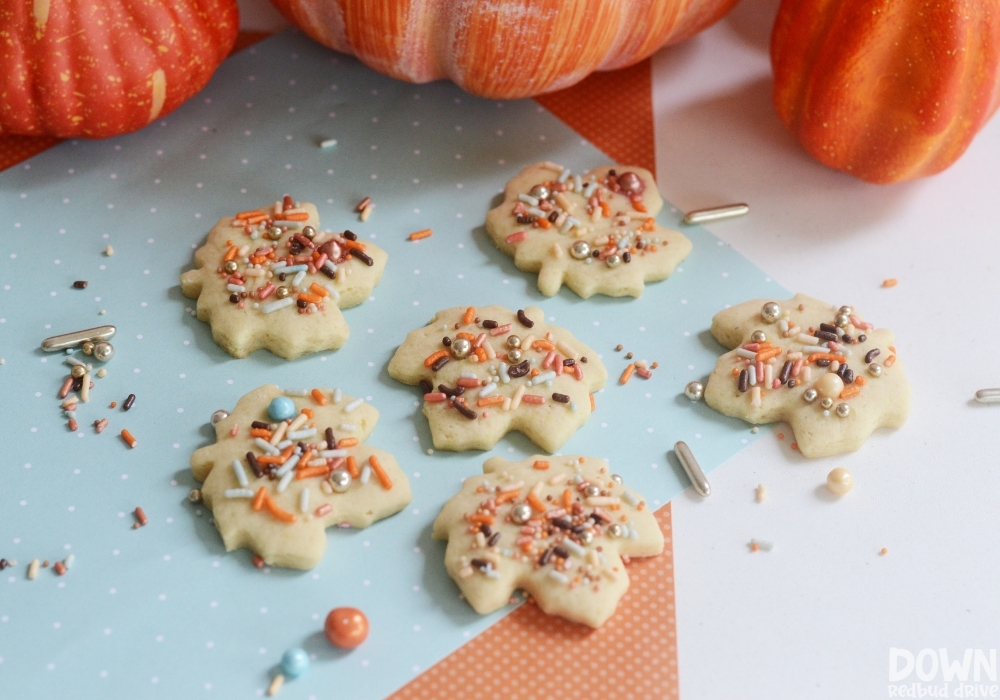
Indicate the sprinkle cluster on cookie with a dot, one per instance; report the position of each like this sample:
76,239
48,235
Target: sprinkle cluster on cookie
832,375
489,370
556,527
596,232
263,262
296,458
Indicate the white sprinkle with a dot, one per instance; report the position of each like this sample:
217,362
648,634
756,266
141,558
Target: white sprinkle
353,405
302,434
528,199
266,446
328,454
328,143
241,475
337,395
285,481
276,305
304,500
239,493
347,427
287,467
558,576
366,474
296,392
236,288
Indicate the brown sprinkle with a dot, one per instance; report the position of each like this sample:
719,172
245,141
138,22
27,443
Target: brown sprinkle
140,515
362,204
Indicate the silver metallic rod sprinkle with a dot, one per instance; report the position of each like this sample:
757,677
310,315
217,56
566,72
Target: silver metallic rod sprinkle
692,468
988,396
71,340
728,211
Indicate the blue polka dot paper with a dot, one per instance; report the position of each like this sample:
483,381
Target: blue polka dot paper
163,611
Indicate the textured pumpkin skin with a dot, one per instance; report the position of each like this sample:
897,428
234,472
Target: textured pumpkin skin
500,48
98,68
886,90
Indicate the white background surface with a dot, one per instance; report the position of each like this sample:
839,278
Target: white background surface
816,616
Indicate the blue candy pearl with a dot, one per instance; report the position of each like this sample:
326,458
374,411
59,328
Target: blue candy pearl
295,662
281,408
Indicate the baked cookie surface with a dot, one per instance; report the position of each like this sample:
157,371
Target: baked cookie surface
270,451
596,233
833,377
271,279
485,372
556,527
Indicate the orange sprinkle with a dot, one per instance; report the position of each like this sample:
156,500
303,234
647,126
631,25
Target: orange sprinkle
535,372
536,503
249,214
307,412
890,361
418,235
380,472
270,459
319,397
468,336
543,345
883,551
627,374
825,356
295,216
605,209
311,298
490,401
481,354
850,391
230,254
113,404
310,472
352,467
767,353
736,371
128,437
485,518
348,243
540,465
470,313
754,547
261,433
434,357
346,442
304,459
506,496
544,223
781,436
258,500
860,381
794,446
649,224
318,290
892,349
593,405
891,282
273,508
639,206
567,499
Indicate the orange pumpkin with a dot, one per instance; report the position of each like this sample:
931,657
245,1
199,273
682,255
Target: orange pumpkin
500,48
97,68
886,90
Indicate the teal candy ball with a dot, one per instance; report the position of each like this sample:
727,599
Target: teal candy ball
294,663
281,408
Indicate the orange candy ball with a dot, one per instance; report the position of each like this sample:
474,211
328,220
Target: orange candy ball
346,627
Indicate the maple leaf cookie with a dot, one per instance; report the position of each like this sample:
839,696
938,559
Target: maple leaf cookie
486,371
833,377
271,279
554,527
596,232
287,465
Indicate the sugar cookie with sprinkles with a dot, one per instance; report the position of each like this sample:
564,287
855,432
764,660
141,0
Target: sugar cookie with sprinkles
272,279
556,528
486,371
595,232
832,376
288,464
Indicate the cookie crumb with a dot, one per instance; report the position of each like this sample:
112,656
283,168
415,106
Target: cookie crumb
109,251
761,493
